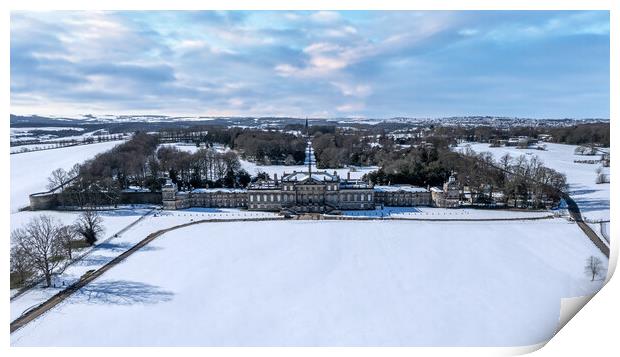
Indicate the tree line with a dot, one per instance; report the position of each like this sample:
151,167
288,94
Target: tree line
207,167
518,182
591,133
139,162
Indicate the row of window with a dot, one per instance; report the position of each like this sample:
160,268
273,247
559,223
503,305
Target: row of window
271,197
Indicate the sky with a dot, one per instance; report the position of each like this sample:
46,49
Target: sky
373,64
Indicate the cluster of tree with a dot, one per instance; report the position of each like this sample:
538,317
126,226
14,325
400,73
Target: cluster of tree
183,135
99,181
421,166
257,145
521,181
339,148
204,168
586,150
334,146
44,245
270,147
127,163
582,134
601,177
526,182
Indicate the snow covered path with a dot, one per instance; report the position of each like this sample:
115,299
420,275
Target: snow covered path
304,283
29,171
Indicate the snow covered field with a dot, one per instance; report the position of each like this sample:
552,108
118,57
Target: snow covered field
328,283
592,198
26,134
29,171
110,247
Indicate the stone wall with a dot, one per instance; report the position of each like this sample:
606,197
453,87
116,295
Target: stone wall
43,201
49,201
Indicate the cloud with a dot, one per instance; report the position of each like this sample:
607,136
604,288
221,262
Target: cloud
468,32
351,107
353,90
380,64
325,16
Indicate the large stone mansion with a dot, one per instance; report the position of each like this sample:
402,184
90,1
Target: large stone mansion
308,191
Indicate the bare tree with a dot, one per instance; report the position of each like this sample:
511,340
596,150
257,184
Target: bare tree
67,235
600,175
89,225
40,243
58,178
579,150
505,161
75,170
290,160
21,265
594,267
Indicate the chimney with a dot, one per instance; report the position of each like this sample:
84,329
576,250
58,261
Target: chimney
348,175
275,179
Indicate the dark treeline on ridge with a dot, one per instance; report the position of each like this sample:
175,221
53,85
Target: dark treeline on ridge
595,133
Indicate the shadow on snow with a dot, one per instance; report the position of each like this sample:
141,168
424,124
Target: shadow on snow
121,292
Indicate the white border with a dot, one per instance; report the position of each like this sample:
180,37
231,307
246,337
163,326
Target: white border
593,331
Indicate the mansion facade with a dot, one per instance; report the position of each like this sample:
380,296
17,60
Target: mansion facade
311,192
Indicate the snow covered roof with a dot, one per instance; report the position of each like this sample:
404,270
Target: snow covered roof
264,185
136,189
400,188
213,190
436,189
354,184
302,176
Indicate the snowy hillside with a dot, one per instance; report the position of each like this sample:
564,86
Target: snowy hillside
29,171
330,284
